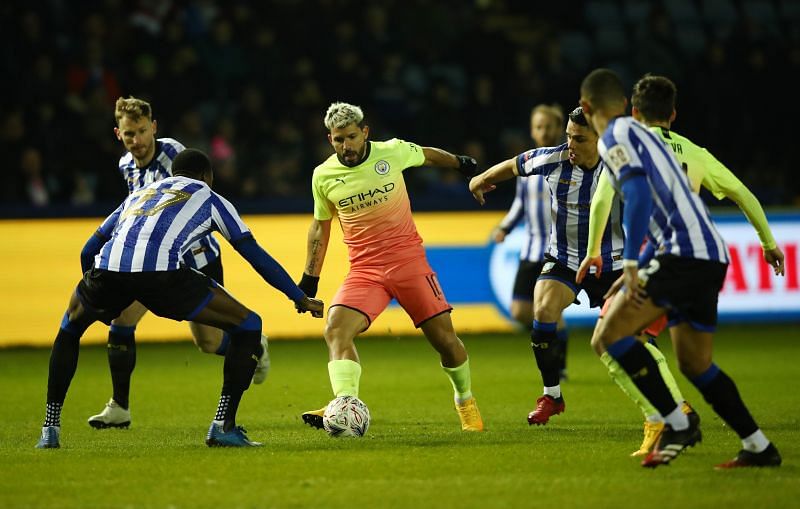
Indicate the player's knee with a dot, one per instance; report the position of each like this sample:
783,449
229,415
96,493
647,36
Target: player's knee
545,315
333,333
692,367
206,338
252,322
521,315
597,344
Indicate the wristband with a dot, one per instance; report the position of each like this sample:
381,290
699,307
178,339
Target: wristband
309,285
467,166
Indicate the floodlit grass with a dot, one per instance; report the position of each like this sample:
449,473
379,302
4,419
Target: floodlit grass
414,454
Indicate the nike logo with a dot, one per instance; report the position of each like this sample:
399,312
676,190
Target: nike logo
340,180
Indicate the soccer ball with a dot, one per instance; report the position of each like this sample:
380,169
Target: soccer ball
346,416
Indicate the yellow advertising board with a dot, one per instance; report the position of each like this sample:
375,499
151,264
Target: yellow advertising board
40,267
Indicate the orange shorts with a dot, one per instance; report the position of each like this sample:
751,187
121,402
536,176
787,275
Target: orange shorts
413,283
653,330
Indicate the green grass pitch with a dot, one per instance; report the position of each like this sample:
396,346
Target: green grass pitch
414,454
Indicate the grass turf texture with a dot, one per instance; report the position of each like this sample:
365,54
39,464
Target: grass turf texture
414,454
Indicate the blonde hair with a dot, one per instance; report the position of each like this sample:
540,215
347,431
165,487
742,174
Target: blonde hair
133,108
554,110
341,114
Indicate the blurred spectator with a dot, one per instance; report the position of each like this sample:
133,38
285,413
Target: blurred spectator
245,81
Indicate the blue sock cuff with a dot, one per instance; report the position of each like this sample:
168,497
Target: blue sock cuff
251,323
72,327
621,347
223,346
122,330
707,377
562,334
545,326
65,323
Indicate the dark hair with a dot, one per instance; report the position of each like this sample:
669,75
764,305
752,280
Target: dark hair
602,87
654,96
578,117
191,163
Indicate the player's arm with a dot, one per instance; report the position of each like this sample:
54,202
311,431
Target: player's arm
438,158
723,183
98,239
635,219
600,208
486,181
319,234
273,273
226,220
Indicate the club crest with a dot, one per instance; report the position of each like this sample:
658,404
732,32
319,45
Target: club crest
381,167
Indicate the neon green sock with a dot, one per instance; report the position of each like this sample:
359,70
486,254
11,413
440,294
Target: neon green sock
623,380
462,381
666,374
345,375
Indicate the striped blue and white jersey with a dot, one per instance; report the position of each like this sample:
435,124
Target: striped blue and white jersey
531,205
155,226
205,250
679,223
571,189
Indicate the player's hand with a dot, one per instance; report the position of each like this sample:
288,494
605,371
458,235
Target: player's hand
499,235
586,264
313,306
634,295
478,187
774,257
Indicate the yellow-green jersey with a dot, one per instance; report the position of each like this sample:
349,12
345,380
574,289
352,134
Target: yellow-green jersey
703,169
372,202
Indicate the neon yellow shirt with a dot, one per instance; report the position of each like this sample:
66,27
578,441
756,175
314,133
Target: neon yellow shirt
372,202
702,168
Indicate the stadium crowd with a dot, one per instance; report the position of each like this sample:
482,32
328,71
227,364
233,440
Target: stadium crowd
246,81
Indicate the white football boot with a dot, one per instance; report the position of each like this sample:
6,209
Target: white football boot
112,416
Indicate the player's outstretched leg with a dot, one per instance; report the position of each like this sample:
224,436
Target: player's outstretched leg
344,370
454,360
720,391
544,343
244,328
63,363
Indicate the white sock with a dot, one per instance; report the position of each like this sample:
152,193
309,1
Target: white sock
756,442
677,419
554,392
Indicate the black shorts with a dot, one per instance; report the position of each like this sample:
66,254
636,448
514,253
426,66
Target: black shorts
689,289
527,273
214,270
176,294
595,288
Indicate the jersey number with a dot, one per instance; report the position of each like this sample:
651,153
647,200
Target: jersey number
144,196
